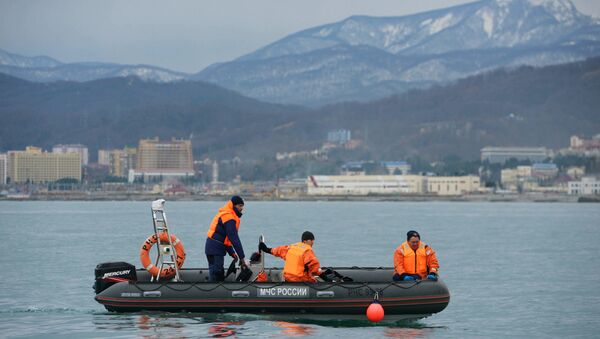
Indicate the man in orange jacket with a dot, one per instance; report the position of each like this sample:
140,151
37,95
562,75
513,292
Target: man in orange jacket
301,264
415,260
222,237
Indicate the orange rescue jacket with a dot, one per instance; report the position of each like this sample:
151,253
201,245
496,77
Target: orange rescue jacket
421,262
300,262
225,213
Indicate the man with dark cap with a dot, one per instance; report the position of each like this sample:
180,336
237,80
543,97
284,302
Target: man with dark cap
415,260
222,237
301,264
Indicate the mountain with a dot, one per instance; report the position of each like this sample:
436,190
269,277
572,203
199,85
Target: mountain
112,113
365,58
46,69
525,106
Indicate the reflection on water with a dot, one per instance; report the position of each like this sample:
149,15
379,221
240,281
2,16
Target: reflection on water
223,329
403,332
294,330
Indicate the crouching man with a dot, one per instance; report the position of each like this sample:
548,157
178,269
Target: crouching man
301,264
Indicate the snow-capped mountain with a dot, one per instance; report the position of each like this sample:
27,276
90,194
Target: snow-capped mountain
46,69
362,58
15,60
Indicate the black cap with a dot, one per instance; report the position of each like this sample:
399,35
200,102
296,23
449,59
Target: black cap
237,200
308,236
411,234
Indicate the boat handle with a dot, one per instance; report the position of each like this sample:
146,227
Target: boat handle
240,294
325,294
152,294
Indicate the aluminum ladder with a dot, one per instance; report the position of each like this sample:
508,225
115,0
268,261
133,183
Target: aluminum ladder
167,256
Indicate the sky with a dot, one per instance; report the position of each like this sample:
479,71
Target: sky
183,35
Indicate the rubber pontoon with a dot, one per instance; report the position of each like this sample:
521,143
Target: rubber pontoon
333,300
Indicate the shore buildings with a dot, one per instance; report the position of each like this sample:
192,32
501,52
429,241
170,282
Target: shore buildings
365,184
502,154
119,161
3,168
159,159
73,148
391,184
396,167
585,186
35,166
453,185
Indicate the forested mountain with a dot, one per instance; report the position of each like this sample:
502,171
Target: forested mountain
520,107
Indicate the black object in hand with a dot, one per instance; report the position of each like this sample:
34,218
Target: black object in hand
263,247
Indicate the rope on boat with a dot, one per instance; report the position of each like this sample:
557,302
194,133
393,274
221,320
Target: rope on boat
252,284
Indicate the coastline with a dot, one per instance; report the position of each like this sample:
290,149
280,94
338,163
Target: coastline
525,197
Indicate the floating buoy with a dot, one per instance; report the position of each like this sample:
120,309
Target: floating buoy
375,312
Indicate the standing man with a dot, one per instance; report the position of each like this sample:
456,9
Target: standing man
415,260
301,264
223,237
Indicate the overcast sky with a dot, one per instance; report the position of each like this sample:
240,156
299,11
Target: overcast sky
180,35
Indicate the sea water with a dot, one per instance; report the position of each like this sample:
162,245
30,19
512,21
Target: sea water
513,269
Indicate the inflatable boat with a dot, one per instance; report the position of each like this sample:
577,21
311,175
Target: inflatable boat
122,288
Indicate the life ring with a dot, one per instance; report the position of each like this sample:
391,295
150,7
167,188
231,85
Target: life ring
168,272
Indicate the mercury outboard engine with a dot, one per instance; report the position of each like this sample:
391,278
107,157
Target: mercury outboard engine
110,273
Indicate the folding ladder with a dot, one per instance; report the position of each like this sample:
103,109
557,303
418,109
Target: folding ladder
167,256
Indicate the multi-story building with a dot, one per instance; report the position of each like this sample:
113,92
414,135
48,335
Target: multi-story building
104,157
453,185
119,161
515,178
391,184
341,136
583,146
396,166
74,148
544,171
502,154
35,166
586,186
3,168
364,184
157,158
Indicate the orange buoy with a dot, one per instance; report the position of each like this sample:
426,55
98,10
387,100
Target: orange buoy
375,312
145,255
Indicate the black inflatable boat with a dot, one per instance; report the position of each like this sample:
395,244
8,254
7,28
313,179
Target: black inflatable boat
122,288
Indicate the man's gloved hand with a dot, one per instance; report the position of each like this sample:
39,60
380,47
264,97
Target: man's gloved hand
432,276
409,278
263,247
326,271
234,255
327,274
243,264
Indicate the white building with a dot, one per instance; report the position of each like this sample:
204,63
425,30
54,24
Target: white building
587,186
74,148
502,154
396,166
453,185
365,184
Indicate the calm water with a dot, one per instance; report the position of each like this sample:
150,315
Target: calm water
513,269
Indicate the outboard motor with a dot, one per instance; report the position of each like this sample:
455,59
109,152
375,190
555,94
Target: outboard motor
110,273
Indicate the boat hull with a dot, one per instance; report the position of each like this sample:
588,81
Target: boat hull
345,299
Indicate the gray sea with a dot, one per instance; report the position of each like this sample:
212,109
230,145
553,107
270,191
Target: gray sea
513,269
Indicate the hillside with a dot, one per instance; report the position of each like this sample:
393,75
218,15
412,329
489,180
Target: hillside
521,107
365,58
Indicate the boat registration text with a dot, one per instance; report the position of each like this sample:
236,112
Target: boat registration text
293,292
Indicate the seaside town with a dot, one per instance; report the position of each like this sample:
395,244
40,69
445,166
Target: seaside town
168,168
